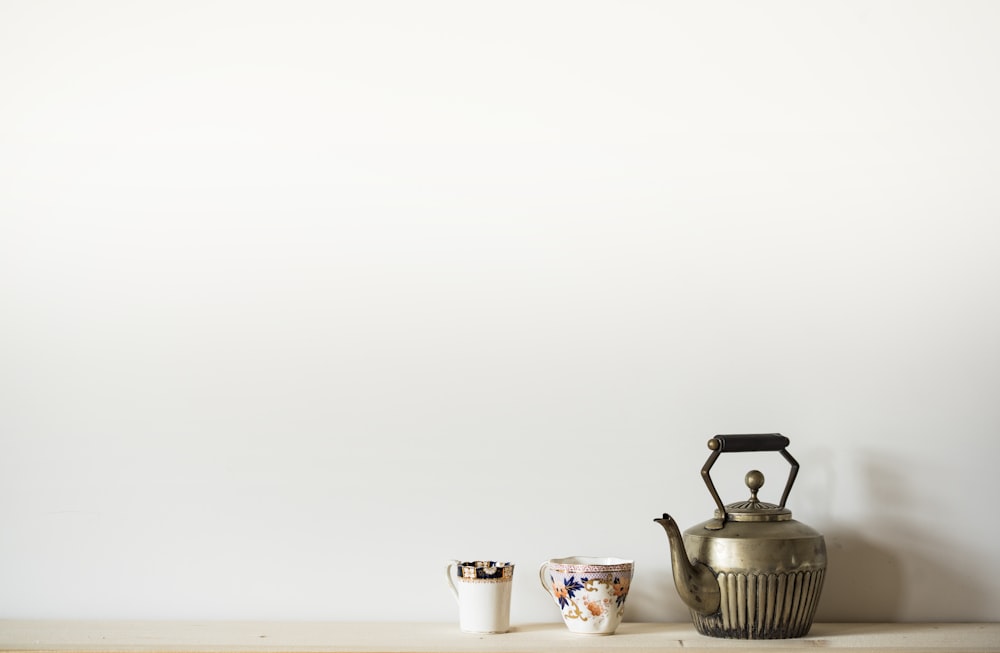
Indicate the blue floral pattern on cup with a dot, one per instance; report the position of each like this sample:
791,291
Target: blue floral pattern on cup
567,589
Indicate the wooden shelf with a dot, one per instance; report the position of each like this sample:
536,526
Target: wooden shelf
375,637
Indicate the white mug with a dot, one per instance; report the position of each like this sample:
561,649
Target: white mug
482,589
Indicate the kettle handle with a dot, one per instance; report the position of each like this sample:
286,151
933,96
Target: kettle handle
742,443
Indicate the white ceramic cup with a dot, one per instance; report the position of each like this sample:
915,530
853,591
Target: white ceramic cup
590,591
482,589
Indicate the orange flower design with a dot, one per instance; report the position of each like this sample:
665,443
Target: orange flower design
559,591
596,609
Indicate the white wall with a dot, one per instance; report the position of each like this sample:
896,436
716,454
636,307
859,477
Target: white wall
301,299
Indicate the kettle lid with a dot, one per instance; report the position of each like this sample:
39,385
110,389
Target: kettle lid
753,509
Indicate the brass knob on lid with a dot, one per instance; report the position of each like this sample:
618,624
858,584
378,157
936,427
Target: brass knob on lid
755,481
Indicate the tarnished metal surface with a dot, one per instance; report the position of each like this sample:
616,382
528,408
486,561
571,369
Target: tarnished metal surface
757,547
763,606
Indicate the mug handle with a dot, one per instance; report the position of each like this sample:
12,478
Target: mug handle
541,577
451,582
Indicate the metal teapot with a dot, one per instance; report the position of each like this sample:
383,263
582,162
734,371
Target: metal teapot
752,572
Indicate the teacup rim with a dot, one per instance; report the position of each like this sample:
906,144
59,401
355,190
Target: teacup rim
479,564
590,561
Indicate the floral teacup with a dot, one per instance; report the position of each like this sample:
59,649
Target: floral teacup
590,592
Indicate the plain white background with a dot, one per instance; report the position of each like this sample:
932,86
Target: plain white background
302,299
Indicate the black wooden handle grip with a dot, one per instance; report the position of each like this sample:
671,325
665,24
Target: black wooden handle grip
748,442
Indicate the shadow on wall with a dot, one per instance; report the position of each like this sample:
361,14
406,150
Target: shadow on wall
893,568
655,599
864,581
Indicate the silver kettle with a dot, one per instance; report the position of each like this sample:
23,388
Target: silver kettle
751,572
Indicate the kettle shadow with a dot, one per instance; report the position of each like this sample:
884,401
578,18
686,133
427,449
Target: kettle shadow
864,581
655,599
903,575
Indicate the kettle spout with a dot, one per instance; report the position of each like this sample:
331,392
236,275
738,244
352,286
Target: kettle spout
695,583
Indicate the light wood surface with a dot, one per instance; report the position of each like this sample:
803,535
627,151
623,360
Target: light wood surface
300,637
